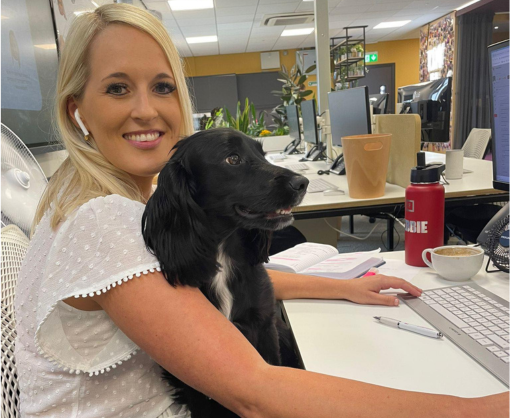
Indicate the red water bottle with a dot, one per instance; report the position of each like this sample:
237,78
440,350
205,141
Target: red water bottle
424,211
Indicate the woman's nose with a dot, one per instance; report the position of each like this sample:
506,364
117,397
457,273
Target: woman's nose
143,109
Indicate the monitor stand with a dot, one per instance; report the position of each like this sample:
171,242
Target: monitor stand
338,166
317,152
292,148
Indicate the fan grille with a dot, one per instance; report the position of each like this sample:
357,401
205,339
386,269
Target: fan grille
497,253
15,153
19,209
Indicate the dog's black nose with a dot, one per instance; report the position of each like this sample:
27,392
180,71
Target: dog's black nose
299,183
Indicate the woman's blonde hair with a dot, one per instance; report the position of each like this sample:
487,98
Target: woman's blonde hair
86,173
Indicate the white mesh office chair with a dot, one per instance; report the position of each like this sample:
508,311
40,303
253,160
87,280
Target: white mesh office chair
14,248
476,143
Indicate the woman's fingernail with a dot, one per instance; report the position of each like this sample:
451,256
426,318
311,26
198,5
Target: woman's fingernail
396,302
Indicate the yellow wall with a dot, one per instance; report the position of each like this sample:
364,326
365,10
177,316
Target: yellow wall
406,56
246,63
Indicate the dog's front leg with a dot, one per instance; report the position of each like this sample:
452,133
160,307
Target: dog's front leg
264,338
198,404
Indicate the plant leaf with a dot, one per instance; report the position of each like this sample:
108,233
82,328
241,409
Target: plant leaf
310,68
302,79
305,93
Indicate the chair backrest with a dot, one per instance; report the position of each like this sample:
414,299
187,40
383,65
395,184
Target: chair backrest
476,143
14,248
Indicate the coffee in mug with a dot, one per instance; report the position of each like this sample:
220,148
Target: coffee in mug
456,251
454,262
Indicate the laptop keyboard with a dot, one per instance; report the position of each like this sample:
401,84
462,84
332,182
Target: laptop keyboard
480,319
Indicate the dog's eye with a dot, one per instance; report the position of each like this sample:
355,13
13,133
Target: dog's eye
234,159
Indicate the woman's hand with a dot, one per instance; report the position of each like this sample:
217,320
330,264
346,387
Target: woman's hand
366,290
363,290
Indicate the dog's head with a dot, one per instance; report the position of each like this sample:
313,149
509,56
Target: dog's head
217,180
231,180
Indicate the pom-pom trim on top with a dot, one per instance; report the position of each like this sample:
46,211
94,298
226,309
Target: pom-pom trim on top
71,368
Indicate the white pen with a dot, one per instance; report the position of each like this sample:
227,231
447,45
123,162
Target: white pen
408,327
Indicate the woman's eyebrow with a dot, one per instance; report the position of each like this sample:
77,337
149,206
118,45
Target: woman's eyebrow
163,75
124,75
115,75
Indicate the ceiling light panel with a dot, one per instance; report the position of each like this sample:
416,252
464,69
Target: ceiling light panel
179,5
202,39
467,4
387,25
297,32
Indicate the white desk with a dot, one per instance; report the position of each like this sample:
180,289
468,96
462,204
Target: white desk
475,184
475,187
341,338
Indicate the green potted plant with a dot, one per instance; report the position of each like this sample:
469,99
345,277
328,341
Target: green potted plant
246,120
342,53
292,93
356,51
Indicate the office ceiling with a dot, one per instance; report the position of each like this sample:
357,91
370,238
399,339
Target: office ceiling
237,23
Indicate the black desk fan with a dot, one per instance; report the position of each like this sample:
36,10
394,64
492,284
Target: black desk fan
494,240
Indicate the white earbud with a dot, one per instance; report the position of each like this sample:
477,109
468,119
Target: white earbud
82,126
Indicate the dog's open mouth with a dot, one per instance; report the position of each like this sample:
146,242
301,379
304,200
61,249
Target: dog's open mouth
251,214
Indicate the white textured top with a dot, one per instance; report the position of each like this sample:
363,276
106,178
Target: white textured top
74,363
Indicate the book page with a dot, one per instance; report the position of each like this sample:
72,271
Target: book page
300,257
345,263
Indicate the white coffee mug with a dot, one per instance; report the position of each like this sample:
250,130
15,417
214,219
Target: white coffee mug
454,164
454,262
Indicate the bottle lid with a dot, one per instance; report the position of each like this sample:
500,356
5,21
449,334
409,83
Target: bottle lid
426,173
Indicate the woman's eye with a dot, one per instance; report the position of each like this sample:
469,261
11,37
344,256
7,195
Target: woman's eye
233,159
164,88
116,89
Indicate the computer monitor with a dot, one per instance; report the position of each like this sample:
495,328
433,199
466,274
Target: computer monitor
379,103
294,129
499,82
310,131
29,72
349,113
432,101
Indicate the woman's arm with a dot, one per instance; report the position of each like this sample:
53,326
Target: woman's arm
183,332
364,290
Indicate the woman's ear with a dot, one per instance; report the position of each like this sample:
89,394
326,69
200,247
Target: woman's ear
175,229
71,108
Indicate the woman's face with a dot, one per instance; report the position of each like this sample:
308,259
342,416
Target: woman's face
130,104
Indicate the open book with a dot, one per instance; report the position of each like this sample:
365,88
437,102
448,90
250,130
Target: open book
324,260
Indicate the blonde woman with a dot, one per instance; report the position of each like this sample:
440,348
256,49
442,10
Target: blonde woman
96,318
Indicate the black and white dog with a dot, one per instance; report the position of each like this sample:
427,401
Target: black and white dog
209,223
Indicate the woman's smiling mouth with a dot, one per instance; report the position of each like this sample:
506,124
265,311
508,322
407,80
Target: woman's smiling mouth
144,139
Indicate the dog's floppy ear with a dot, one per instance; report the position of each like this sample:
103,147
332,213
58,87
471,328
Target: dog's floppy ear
175,229
257,243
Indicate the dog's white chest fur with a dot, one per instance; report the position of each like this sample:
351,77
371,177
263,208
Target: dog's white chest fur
220,284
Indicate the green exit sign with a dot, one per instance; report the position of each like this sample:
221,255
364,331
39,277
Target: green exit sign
371,57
